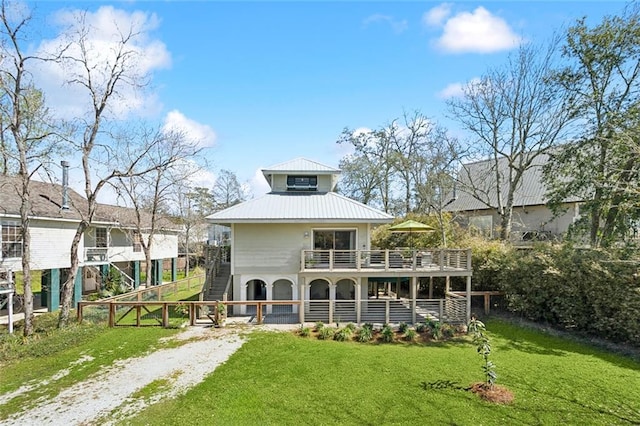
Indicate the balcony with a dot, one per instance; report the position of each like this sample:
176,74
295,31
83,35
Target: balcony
96,254
399,261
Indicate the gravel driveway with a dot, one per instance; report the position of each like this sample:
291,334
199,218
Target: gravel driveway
109,396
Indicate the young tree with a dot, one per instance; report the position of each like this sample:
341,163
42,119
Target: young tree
514,114
600,166
28,137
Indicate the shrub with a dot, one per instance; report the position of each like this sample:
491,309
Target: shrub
387,334
351,326
325,333
304,331
343,334
421,327
402,327
410,335
365,334
319,326
588,290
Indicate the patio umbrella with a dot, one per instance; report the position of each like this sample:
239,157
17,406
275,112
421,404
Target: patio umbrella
411,226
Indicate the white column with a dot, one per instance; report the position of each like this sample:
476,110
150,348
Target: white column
304,295
269,288
332,300
358,291
294,296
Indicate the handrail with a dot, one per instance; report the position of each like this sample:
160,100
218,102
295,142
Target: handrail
154,289
407,259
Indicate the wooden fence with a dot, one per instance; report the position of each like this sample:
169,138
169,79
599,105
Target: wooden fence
159,291
160,313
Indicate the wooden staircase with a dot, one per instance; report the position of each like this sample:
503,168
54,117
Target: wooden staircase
219,282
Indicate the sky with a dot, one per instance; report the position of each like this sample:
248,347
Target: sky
260,83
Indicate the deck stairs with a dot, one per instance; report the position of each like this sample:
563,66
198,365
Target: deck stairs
219,282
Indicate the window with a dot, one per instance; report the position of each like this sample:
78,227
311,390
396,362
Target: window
334,240
11,240
101,237
137,245
302,183
481,225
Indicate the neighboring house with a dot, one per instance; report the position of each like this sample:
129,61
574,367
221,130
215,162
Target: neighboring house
110,241
476,203
304,242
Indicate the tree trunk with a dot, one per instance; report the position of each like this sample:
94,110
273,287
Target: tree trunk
26,279
148,266
69,284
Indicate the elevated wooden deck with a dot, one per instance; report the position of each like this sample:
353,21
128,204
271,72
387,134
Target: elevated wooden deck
418,262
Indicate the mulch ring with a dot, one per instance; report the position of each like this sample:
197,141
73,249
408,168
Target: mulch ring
492,393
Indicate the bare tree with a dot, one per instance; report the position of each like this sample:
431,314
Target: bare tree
514,113
160,170
227,191
434,172
101,77
28,138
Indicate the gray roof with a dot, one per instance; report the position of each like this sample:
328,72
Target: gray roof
299,165
300,207
476,188
46,201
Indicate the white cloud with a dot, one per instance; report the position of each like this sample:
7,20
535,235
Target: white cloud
478,31
436,16
455,90
104,28
202,134
258,185
398,26
452,90
201,178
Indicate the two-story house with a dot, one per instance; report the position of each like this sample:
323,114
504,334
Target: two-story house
304,242
112,240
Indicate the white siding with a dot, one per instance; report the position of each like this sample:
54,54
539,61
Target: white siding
165,246
325,182
276,248
51,244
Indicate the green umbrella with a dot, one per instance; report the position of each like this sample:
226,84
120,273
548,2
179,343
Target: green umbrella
411,226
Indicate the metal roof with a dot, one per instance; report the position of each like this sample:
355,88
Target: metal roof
299,165
300,207
476,189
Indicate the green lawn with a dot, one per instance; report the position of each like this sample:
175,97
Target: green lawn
280,378
285,379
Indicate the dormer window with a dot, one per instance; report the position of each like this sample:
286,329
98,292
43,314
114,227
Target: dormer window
302,183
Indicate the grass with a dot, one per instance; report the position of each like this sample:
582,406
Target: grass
77,352
36,282
284,379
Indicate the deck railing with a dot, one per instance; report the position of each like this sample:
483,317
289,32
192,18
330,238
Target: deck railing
385,260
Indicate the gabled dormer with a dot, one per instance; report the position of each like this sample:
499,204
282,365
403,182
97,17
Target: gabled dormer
301,175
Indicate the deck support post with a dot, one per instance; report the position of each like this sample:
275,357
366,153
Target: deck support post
468,299
414,292
302,292
358,299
